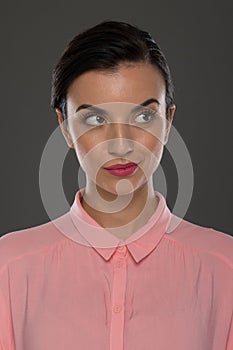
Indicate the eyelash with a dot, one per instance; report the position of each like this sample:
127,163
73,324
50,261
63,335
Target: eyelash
153,114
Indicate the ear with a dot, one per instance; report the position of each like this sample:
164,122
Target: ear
64,129
169,122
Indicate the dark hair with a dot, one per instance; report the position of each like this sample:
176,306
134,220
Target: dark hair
103,47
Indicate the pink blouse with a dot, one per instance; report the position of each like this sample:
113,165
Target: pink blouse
69,284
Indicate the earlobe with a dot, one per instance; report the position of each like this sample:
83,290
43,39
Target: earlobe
64,130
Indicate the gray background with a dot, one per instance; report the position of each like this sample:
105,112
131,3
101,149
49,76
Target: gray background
197,39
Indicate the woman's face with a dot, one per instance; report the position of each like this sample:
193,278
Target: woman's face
121,130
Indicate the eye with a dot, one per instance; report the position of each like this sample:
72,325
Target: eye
94,119
145,116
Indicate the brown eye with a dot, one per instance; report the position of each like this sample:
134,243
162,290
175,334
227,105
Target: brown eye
94,119
145,116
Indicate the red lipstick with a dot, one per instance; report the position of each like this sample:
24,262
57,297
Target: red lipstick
122,169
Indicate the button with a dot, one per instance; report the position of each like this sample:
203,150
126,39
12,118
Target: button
117,308
119,264
122,249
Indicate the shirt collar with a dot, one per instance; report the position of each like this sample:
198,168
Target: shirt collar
140,243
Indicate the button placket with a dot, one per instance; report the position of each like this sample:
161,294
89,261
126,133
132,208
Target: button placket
117,308
119,264
118,298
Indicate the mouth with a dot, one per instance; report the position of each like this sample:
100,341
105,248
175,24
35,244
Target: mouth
121,166
122,169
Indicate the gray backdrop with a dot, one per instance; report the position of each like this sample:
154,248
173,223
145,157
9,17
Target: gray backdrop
197,39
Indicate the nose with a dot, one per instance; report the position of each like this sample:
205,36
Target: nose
119,139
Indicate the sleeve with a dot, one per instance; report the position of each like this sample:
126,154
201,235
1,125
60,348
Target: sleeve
230,336
6,329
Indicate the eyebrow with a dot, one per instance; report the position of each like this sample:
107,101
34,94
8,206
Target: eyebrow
100,110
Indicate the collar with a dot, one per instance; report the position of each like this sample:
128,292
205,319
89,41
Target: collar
140,243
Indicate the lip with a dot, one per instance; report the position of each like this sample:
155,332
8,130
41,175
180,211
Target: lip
126,171
121,166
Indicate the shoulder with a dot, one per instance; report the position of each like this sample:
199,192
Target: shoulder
202,239
21,243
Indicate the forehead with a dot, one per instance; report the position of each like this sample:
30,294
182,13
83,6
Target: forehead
130,83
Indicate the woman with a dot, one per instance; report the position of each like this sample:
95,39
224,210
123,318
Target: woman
110,273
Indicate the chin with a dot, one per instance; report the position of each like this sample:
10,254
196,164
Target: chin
121,187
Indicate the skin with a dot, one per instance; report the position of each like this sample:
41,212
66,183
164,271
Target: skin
131,198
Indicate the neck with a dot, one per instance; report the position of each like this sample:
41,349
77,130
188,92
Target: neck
120,214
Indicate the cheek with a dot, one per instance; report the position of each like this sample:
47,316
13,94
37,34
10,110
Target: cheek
152,150
150,143
87,143
153,137
84,147
84,140
88,150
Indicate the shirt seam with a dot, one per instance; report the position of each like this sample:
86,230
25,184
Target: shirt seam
32,253
214,253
